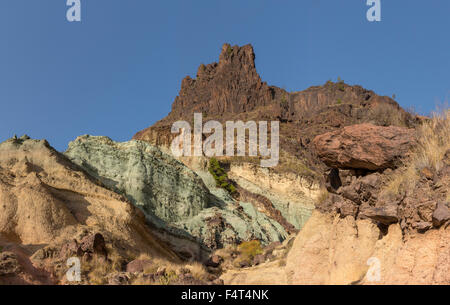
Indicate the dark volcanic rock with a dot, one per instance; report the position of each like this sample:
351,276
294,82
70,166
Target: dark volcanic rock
232,90
364,146
387,214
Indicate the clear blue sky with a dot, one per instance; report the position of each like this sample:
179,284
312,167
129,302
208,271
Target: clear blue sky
119,70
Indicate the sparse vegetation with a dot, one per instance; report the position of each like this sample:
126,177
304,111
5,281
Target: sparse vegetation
249,249
220,176
96,269
340,84
172,271
387,115
323,195
284,101
339,101
229,51
433,139
293,164
168,278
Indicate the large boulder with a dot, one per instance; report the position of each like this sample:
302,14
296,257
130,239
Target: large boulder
364,146
441,214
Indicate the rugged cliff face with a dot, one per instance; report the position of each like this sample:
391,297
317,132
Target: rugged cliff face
165,189
232,90
383,221
345,251
360,196
47,202
190,212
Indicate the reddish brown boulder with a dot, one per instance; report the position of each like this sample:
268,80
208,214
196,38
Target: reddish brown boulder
214,261
387,214
441,214
70,248
347,208
94,244
364,146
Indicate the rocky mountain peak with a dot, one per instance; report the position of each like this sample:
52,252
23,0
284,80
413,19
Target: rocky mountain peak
230,86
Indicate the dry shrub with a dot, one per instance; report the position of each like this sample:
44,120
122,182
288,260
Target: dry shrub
387,115
228,254
249,249
172,271
433,141
198,271
96,270
323,195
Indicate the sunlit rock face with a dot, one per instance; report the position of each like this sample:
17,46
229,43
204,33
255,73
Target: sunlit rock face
190,211
153,180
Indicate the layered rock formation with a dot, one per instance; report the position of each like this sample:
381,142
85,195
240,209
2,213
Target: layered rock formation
360,195
390,226
163,187
192,215
345,251
46,201
232,90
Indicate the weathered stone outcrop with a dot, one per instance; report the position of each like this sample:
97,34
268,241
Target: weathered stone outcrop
361,194
332,250
47,201
293,195
162,186
51,199
231,89
190,212
441,214
335,250
364,146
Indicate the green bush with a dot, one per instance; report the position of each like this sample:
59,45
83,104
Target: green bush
220,176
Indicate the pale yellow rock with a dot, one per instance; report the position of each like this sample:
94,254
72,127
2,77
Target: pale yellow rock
265,274
332,250
421,259
45,199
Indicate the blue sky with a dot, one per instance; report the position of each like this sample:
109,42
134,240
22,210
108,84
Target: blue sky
119,70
